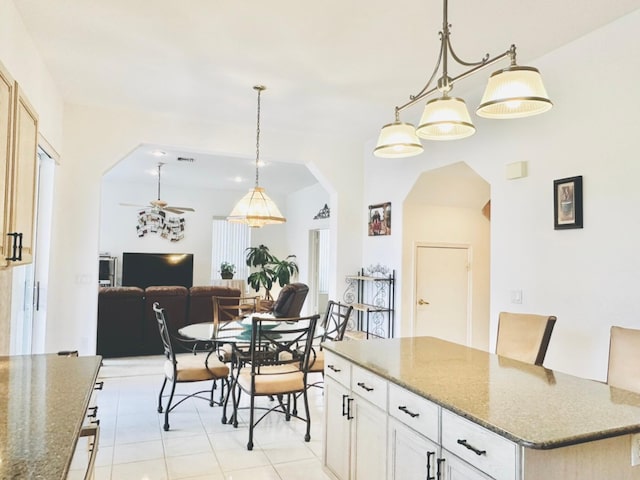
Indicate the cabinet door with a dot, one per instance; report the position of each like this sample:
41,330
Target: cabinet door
25,149
6,124
410,454
369,441
337,429
456,469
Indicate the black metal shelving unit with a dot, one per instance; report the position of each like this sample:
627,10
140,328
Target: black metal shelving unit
372,294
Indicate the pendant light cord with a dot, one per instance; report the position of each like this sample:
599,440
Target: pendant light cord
259,88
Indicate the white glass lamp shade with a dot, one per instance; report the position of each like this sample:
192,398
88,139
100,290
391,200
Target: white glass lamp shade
256,209
398,140
513,93
445,118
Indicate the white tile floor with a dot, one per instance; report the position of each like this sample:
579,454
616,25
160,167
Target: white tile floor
133,445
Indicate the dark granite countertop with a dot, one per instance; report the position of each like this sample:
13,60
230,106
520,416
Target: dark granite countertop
43,400
530,405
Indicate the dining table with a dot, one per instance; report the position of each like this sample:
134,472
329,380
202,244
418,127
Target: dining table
237,334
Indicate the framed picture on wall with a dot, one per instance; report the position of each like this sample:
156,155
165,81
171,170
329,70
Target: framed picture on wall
567,203
380,219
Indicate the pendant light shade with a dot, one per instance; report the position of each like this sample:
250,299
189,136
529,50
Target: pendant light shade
398,140
445,118
514,92
256,209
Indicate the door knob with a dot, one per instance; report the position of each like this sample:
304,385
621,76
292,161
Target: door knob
422,302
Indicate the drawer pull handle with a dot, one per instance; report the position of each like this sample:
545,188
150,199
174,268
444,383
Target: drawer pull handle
99,385
331,367
362,385
408,412
94,412
429,455
471,447
344,407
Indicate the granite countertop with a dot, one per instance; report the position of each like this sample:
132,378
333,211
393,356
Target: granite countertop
43,401
530,405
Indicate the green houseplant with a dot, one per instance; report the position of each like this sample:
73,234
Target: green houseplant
227,270
270,269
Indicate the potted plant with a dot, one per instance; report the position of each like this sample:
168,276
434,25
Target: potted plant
227,270
270,269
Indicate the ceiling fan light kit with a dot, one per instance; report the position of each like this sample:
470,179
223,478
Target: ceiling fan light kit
256,209
154,218
513,92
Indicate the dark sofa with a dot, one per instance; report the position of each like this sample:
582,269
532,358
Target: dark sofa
127,325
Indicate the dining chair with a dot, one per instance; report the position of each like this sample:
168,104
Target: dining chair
334,325
290,300
524,336
186,368
277,366
624,359
227,310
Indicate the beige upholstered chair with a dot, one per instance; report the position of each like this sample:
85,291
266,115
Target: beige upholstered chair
185,368
524,336
624,359
278,362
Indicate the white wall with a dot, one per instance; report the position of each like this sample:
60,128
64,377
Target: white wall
95,139
21,58
588,278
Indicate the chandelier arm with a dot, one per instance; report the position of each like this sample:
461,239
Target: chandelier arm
462,62
471,71
433,75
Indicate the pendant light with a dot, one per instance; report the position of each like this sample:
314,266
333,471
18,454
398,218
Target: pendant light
513,92
256,209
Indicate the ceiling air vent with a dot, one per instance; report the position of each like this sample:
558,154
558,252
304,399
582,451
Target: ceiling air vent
186,159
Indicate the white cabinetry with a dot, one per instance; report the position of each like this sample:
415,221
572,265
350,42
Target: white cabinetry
355,444
375,429
456,469
18,162
410,454
486,450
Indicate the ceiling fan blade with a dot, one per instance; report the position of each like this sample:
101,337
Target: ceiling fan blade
184,209
178,210
133,205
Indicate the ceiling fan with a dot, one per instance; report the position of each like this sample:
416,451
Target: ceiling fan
159,204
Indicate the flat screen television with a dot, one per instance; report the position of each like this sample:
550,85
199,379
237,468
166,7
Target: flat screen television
148,269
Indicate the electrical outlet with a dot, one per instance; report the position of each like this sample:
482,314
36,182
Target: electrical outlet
635,449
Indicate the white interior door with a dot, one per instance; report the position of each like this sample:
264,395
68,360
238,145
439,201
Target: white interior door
442,293
318,270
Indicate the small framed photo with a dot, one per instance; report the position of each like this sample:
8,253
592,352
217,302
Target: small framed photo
380,219
567,203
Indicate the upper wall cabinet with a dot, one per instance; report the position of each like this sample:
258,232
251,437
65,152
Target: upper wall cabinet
18,170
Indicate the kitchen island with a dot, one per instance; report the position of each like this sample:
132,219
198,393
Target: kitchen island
43,403
465,413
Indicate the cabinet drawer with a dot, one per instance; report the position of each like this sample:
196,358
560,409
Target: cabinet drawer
483,449
414,411
337,368
369,386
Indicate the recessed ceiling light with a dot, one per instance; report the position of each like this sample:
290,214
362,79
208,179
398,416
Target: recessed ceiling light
238,179
158,153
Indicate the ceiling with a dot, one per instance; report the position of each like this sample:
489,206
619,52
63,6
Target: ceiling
333,67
